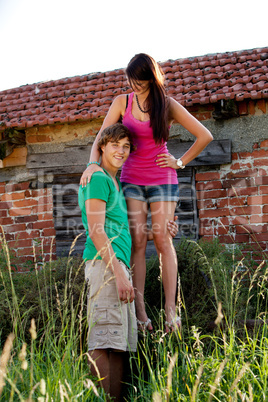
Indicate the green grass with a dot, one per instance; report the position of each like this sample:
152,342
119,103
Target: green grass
43,332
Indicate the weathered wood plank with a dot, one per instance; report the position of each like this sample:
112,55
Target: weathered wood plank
217,152
74,159
72,156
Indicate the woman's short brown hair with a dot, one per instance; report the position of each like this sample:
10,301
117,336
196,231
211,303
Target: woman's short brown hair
115,133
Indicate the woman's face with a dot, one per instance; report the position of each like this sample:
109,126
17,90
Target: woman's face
139,87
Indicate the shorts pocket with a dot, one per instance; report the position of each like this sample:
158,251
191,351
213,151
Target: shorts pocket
109,316
114,316
99,316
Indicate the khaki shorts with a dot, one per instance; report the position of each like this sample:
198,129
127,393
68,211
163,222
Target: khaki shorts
112,323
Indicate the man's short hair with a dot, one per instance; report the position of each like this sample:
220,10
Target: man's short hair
114,133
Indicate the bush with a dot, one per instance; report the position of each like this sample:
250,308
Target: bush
49,294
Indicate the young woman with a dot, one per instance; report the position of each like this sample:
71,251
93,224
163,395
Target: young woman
149,176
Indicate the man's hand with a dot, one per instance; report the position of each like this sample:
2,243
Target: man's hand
173,227
124,288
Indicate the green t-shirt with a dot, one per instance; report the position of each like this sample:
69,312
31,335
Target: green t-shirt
116,225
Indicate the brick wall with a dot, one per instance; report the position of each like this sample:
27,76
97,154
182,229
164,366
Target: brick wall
233,201
26,216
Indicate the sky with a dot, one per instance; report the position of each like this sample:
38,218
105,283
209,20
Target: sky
47,40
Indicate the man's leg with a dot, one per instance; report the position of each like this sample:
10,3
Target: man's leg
101,359
111,368
116,373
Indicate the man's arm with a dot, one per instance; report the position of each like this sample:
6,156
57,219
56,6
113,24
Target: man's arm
96,210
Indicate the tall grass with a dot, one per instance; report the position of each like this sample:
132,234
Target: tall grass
44,355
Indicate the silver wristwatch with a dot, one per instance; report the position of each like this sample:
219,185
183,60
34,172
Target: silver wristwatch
180,164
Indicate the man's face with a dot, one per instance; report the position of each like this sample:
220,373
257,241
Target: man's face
115,153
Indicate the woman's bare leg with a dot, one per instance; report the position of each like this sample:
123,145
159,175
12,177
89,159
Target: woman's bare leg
162,212
137,213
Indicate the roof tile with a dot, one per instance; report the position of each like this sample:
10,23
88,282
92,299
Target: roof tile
192,81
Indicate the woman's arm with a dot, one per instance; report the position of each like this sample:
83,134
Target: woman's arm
203,136
116,110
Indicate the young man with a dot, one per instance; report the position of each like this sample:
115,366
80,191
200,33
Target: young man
111,311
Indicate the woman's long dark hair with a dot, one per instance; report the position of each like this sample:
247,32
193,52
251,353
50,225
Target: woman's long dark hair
144,68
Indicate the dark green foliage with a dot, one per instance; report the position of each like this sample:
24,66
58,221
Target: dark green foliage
211,273
198,306
46,294
195,285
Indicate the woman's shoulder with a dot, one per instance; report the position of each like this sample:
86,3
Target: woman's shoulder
120,99
174,107
119,104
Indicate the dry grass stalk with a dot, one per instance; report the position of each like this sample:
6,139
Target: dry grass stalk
63,392
22,357
220,315
250,391
90,384
173,360
5,247
197,381
240,375
32,329
198,344
30,399
58,302
157,397
91,361
217,380
43,386
4,360
68,385
80,316
74,243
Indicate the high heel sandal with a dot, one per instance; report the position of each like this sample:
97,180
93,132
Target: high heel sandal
173,325
143,327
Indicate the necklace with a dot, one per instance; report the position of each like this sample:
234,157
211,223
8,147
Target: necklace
143,111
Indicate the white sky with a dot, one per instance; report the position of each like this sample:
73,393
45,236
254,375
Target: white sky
43,40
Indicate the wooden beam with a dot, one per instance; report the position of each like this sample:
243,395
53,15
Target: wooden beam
218,152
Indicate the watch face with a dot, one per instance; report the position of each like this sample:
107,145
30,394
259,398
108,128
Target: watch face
179,162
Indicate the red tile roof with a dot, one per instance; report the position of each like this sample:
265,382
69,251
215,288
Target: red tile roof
195,80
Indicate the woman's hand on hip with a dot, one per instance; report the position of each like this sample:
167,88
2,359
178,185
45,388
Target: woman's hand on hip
166,160
86,176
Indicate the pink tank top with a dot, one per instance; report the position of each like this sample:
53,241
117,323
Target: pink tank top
140,167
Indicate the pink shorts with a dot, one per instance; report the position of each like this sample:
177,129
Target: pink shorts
112,323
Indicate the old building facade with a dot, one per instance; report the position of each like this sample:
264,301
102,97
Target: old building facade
47,130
